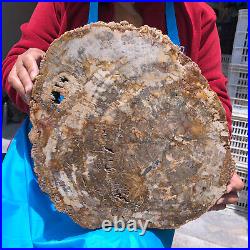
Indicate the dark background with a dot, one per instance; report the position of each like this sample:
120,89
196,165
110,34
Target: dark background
13,15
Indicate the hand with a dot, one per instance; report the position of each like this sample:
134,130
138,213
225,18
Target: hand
235,185
24,71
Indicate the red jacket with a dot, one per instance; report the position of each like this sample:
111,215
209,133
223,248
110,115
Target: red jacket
196,25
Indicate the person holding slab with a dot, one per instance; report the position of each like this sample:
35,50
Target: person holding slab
29,217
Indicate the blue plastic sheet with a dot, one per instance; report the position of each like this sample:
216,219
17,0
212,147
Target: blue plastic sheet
29,218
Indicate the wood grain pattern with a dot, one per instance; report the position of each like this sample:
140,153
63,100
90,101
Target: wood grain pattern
138,135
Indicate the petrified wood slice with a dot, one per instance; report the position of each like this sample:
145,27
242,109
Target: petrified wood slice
138,134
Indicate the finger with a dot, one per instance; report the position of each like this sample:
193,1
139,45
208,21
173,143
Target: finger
230,198
217,207
37,52
236,184
31,66
24,77
17,84
37,55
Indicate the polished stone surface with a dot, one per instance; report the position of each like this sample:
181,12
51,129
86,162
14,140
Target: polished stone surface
127,127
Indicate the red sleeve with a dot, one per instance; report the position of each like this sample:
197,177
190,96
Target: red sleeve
209,60
39,32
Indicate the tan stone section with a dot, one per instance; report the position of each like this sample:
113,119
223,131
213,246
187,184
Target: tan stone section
139,133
